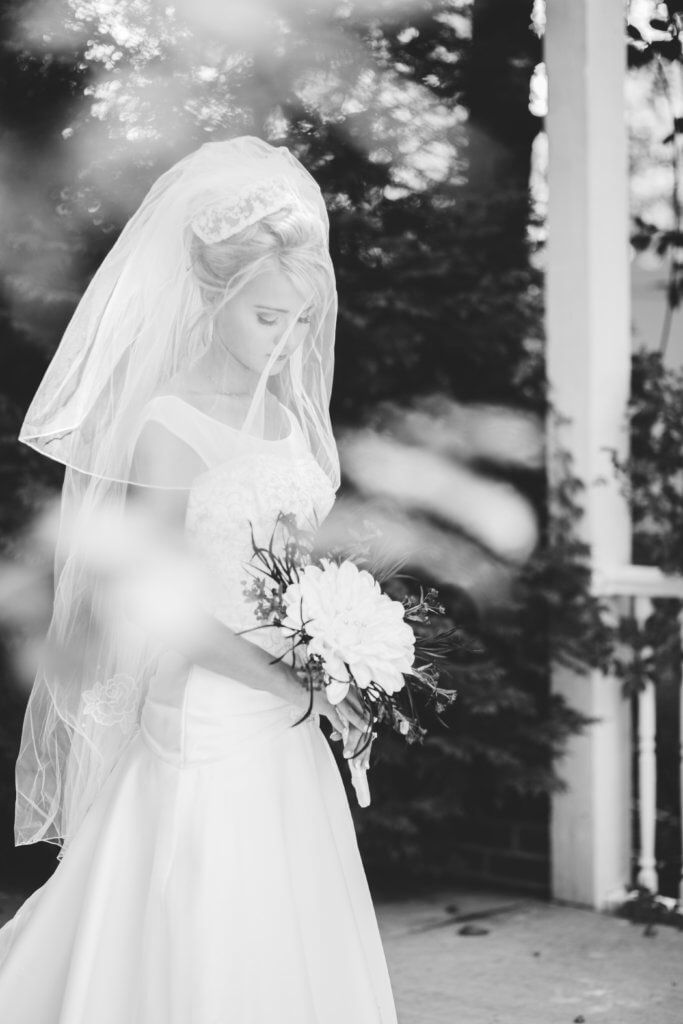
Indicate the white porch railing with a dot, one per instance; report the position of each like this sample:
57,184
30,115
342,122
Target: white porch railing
639,585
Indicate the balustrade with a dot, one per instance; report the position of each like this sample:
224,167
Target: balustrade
637,587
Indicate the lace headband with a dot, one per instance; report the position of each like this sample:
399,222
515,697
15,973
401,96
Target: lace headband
226,216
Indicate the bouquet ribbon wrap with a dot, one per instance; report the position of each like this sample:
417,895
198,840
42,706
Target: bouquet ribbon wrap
359,778
359,775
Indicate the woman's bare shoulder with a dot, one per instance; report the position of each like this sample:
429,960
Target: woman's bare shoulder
162,458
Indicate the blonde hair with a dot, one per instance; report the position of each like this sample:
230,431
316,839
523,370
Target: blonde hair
287,240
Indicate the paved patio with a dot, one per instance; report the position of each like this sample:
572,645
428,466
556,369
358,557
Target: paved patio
539,963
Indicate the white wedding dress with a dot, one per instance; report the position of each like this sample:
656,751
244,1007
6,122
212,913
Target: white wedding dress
216,879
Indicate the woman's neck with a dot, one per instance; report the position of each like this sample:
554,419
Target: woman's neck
224,372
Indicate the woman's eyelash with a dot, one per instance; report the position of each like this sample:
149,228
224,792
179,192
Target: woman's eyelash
270,323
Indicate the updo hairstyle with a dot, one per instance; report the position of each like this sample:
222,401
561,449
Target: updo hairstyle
287,240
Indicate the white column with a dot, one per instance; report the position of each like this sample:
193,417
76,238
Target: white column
680,738
647,767
588,351
647,787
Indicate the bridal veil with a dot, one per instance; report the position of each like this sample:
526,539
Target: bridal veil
141,322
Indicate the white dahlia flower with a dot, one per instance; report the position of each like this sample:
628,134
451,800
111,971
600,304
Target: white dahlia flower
351,623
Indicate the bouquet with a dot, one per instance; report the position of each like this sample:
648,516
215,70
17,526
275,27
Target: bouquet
345,630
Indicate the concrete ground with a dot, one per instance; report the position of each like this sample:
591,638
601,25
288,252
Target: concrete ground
538,963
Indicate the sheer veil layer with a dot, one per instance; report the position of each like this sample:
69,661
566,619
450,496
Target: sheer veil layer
140,324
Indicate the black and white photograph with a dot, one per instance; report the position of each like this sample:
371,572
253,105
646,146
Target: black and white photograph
341,512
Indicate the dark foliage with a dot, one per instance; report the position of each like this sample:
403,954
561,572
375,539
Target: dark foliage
438,292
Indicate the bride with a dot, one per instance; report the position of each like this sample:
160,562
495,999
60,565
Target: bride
209,870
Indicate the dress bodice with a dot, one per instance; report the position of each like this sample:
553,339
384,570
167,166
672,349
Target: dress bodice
247,482
242,495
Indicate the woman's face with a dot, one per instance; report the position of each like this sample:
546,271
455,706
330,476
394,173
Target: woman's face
252,323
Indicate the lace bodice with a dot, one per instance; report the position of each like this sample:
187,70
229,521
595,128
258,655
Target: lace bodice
243,493
245,486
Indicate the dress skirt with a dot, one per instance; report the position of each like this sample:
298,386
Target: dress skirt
216,879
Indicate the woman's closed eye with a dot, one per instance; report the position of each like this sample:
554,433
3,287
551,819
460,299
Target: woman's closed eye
271,322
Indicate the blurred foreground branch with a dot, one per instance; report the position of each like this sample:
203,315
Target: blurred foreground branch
423,489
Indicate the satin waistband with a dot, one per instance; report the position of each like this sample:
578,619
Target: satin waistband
189,736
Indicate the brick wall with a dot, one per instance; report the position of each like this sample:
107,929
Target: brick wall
509,848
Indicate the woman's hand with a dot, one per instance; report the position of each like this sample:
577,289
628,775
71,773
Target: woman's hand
359,733
349,719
